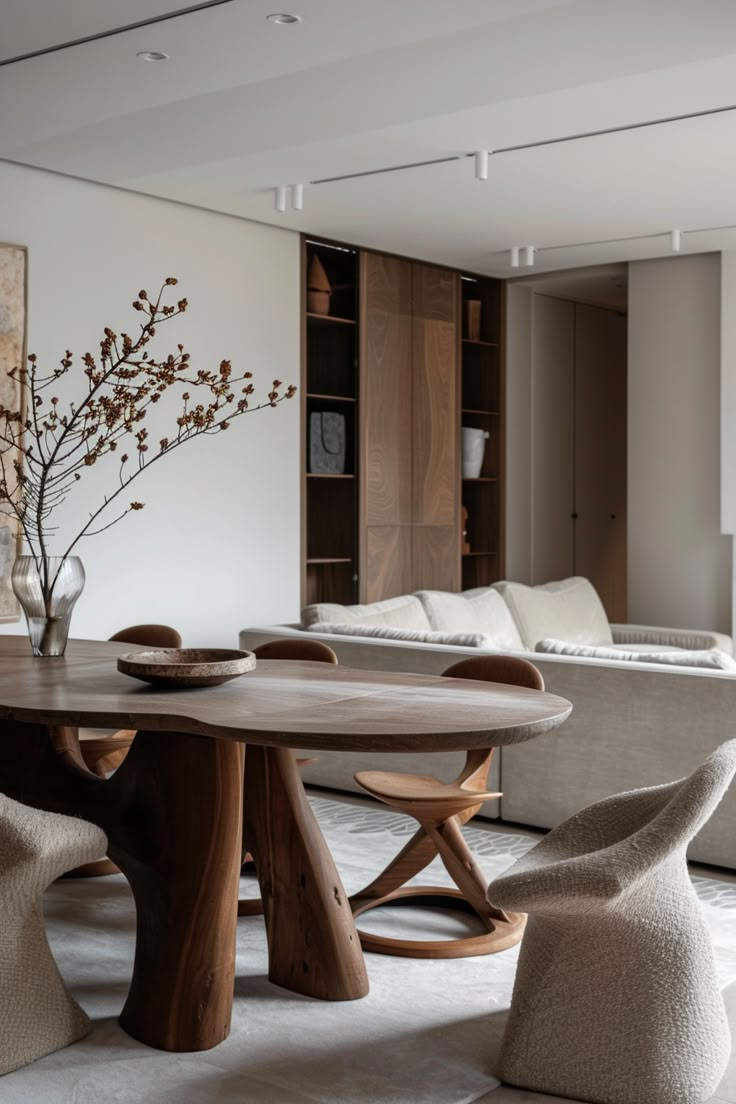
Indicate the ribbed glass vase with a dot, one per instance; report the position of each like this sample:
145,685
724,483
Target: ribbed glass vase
47,589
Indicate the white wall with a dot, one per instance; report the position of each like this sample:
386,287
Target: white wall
679,563
728,407
217,545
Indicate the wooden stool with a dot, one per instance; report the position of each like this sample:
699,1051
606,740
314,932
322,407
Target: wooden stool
441,809
36,847
103,751
282,649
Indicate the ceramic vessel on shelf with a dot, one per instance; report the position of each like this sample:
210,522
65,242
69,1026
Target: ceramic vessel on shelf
47,588
474,447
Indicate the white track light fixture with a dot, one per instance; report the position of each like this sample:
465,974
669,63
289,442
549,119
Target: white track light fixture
675,240
481,165
297,196
529,252
514,256
279,198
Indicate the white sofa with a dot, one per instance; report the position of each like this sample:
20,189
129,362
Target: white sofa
647,716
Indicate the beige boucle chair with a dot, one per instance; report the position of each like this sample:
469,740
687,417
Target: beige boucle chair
616,999
38,1015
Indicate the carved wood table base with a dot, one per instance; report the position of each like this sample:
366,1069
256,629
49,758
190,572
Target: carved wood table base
319,955
173,811
173,825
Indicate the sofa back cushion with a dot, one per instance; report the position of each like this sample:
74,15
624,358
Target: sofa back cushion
679,657
482,610
404,612
566,610
412,636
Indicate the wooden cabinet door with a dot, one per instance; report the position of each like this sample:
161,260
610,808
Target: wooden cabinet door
435,476
386,426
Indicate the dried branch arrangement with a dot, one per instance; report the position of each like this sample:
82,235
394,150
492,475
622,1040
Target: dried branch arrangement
47,446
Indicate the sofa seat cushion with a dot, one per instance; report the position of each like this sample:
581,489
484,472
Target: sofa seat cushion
566,610
404,612
416,636
679,657
481,610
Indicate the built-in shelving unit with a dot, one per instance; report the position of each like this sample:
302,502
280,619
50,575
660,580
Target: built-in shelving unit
482,395
330,385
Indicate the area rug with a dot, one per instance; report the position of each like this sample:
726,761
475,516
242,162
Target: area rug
426,1034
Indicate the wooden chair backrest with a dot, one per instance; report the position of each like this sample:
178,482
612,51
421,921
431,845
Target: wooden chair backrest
511,670
153,636
295,649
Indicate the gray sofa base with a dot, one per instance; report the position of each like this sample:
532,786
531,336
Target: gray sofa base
632,725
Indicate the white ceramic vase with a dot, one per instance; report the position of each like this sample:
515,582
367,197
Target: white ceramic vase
474,447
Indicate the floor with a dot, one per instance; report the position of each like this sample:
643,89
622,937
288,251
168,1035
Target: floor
726,1093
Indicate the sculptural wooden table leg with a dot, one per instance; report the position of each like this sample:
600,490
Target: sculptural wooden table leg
313,947
173,822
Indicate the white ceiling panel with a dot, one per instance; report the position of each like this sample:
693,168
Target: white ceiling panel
243,105
34,25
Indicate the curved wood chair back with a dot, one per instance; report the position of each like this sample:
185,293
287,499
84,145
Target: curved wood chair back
511,670
498,668
295,649
153,636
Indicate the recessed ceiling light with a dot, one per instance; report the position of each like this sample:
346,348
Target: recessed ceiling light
152,55
283,17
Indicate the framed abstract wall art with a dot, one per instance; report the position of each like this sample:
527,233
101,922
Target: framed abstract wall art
13,309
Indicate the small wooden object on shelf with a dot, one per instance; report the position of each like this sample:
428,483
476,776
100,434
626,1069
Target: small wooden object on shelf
472,319
465,546
319,288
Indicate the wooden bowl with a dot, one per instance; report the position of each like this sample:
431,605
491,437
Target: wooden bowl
179,668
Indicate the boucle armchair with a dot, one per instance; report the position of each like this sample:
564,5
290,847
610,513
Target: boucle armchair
38,1015
616,999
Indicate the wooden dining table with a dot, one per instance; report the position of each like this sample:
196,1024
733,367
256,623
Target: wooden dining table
177,810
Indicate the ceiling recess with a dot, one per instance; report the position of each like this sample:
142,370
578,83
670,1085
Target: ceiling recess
117,30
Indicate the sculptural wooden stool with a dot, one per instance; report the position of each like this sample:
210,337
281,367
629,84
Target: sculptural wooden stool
38,1015
442,809
315,650
616,999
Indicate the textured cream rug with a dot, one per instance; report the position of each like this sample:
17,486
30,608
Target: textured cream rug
426,1034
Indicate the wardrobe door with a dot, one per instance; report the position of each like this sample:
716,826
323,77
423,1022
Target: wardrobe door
386,426
553,439
435,475
600,454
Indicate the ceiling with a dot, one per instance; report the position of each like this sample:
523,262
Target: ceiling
243,105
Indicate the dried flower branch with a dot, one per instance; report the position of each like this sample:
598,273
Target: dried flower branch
45,448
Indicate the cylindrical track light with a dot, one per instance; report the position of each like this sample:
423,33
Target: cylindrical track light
529,252
514,256
675,240
279,198
297,196
481,165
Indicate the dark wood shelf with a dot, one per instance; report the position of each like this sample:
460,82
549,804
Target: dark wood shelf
330,560
471,410
329,475
480,479
488,344
331,318
331,398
